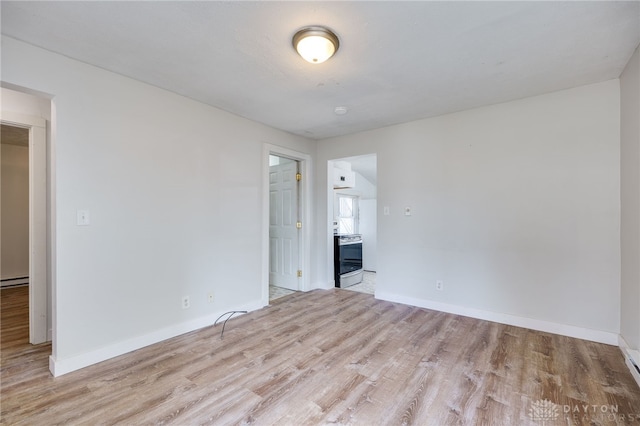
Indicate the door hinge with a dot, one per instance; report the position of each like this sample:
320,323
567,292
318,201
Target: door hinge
298,177
299,273
299,225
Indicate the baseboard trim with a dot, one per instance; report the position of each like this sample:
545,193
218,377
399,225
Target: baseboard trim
321,285
14,282
58,366
534,324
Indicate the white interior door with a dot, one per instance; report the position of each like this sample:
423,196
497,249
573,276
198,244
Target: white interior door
284,239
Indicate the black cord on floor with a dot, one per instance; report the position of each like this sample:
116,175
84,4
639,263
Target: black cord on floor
232,313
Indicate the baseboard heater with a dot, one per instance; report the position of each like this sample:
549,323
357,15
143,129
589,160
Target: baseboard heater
631,358
13,282
633,367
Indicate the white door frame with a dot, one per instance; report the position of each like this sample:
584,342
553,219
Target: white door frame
37,221
304,254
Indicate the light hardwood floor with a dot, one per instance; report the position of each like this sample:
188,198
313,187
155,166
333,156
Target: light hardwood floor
323,357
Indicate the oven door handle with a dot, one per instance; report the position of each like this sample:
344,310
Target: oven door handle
349,243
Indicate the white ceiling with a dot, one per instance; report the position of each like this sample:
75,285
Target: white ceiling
398,61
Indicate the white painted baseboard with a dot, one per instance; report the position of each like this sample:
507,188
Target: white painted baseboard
320,285
534,324
58,367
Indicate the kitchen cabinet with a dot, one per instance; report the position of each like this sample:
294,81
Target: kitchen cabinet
343,178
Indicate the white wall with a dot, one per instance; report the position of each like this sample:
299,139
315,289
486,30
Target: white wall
369,231
174,193
515,207
630,201
15,211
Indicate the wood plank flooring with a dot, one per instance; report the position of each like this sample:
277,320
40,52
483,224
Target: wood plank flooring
325,357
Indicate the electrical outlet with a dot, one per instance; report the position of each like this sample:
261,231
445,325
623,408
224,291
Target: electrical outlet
439,285
210,297
186,304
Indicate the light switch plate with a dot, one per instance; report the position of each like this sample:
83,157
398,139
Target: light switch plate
82,217
407,211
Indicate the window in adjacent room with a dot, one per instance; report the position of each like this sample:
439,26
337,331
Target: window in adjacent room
347,214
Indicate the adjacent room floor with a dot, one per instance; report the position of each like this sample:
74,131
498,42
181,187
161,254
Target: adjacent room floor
368,286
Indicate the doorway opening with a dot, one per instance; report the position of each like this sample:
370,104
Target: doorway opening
352,202
14,231
286,256
14,263
24,215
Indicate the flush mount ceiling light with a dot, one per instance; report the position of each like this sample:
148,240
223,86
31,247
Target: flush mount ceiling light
315,44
